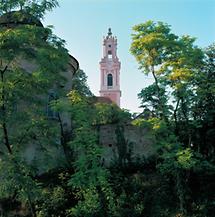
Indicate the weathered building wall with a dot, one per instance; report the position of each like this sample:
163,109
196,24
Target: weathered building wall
46,150
52,154
33,150
137,143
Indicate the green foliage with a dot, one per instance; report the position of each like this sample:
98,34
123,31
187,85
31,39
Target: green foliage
152,44
35,8
204,105
21,104
16,177
52,202
129,189
175,160
178,180
31,60
90,207
180,116
110,113
172,61
80,83
90,178
17,182
151,101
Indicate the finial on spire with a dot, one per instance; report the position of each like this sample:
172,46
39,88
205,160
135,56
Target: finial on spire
109,32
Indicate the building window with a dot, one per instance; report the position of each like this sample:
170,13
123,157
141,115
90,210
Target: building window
51,113
109,45
109,80
109,54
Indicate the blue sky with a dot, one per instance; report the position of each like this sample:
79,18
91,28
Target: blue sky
83,23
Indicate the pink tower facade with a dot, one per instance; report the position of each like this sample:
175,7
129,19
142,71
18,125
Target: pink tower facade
110,70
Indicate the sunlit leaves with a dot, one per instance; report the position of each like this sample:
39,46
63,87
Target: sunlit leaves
151,44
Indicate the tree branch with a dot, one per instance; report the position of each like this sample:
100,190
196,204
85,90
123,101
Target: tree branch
3,109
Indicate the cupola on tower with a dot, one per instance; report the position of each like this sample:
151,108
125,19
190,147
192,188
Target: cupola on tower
110,70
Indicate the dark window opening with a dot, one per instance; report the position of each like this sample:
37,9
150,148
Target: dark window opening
110,145
109,45
109,54
110,80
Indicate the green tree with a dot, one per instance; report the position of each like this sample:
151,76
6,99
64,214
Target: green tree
152,45
181,120
34,8
173,62
80,83
110,114
31,59
185,65
203,109
90,179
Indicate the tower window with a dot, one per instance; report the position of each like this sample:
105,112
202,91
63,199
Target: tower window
109,45
109,54
109,80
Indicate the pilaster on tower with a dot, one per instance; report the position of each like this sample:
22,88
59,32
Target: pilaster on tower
110,69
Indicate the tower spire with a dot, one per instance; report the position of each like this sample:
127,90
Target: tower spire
109,32
110,70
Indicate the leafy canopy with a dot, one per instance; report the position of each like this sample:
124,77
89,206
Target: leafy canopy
37,8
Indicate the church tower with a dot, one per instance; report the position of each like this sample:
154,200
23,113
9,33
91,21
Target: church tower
110,70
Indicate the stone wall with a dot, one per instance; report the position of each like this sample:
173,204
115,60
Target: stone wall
137,143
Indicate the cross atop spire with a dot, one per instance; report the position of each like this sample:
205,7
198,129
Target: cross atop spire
109,32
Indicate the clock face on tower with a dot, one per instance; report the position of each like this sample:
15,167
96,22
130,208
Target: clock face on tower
110,70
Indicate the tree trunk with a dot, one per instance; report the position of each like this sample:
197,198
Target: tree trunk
161,106
175,116
64,141
3,111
